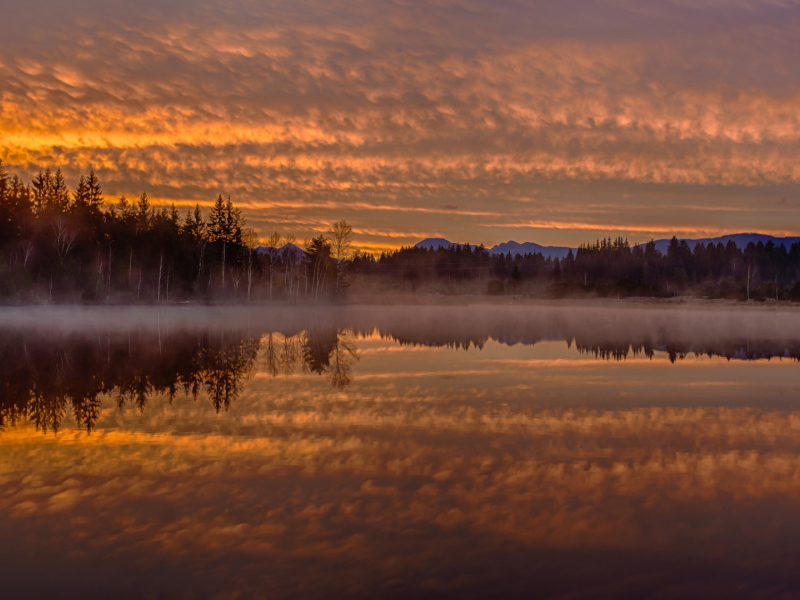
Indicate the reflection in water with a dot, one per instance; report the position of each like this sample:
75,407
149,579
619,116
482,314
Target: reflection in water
378,458
43,377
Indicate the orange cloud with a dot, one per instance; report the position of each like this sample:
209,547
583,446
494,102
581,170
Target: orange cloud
391,109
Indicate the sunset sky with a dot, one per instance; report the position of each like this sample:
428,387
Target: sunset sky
475,120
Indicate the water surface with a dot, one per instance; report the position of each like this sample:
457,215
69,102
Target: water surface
559,452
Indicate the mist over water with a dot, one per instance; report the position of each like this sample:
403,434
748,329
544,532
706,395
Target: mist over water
691,329
365,451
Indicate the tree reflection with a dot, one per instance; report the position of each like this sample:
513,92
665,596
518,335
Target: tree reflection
620,349
343,355
330,352
317,349
290,354
43,377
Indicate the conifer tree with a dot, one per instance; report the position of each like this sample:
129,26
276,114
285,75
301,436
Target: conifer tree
218,222
80,197
5,182
42,189
143,212
94,194
60,199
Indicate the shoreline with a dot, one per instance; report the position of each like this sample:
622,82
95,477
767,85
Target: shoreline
424,300
431,300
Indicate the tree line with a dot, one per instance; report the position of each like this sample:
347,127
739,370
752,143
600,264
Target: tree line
607,267
62,245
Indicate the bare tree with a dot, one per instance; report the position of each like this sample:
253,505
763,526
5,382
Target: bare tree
290,259
321,274
224,247
160,270
130,267
751,272
202,245
99,272
341,238
236,277
27,250
250,239
305,272
108,273
342,358
64,239
272,244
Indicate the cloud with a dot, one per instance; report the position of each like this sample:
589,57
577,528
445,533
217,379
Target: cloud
349,106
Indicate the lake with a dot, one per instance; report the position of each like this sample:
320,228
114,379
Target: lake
571,451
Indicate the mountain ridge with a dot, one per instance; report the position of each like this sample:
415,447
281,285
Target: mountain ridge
282,251
740,239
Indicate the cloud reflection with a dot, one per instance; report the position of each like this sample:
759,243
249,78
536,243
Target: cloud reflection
402,481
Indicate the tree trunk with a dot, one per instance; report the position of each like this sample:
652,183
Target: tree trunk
271,271
160,269
748,281
108,293
224,246
249,273
200,264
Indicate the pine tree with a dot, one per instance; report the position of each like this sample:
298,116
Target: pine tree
80,197
174,218
60,199
235,223
143,212
194,227
4,182
42,188
95,193
217,221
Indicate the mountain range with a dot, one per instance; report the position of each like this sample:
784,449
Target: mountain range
504,248
282,251
740,239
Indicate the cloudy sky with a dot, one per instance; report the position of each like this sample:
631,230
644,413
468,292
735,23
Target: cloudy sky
475,120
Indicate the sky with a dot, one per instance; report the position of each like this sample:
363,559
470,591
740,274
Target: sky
476,120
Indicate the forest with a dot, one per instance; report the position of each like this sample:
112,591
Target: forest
605,268
75,246
64,246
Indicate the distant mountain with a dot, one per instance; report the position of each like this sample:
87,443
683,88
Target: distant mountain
504,248
740,239
282,251
434,243
530,248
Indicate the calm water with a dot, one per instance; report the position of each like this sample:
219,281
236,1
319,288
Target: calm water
400,452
